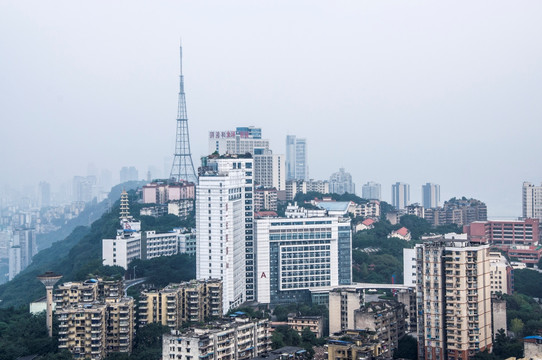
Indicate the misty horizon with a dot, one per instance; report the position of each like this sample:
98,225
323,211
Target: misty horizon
417,92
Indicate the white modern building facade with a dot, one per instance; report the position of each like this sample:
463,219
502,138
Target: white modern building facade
430,195
301,253
133,244
532,201
224,221
400,195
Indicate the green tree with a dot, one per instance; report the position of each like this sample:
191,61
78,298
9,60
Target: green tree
516,326
407,349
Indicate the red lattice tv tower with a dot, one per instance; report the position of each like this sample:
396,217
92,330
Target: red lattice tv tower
183,167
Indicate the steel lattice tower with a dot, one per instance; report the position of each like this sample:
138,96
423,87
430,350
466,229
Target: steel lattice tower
183,167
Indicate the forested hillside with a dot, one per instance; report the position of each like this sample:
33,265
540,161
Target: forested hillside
73,257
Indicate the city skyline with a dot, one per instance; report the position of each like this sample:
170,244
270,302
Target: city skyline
101,89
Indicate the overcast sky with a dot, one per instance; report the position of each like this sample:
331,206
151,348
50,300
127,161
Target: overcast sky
414,91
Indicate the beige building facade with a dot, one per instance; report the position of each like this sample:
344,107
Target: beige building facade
454,299
193,301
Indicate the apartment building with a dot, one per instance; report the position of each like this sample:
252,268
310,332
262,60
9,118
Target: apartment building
94,318
82,330
387,319
457,211
193,301
236,338
265,199
500,274
120,324
88,291
96,329
269,170
453,299
343,303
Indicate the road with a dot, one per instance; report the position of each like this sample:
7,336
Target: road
129,283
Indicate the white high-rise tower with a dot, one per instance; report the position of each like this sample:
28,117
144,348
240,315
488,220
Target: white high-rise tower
224,221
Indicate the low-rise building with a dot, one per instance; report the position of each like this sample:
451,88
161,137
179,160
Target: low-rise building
518,238
416,210
162,192
314,323
532,347
402,233
130,245
285,353
294,187
366,224
236,338
359,344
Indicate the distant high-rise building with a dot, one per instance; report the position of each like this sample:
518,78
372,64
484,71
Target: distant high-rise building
84,188
371,191
341,182
400,195
128,174
106,180
269,171
44,194
532,201
224,226
23,247
430,195
296,158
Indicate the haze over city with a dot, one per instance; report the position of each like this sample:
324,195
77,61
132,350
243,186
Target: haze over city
414,92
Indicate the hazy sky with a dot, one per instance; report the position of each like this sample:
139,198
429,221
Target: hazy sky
414,91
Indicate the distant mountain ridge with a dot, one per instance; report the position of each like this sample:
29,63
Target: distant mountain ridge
71,256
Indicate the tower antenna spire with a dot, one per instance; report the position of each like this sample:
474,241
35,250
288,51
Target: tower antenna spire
183,167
